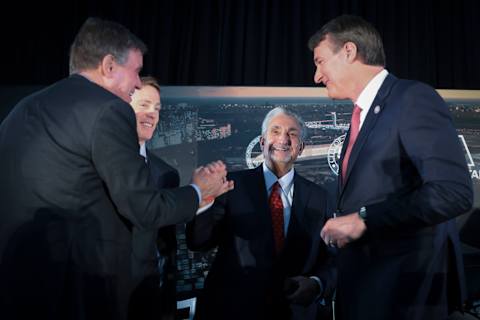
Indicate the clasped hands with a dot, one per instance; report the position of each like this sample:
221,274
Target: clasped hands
340,231
211,179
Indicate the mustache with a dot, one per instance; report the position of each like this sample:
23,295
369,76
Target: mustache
280,146
284,146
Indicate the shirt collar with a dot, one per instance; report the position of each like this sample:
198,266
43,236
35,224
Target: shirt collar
143,150
366,97
285,182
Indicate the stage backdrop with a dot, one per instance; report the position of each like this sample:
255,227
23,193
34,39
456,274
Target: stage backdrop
202,124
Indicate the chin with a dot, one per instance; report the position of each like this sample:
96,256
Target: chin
331,94
145,138
126,98
281,160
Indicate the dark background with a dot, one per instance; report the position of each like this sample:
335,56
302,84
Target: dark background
245,42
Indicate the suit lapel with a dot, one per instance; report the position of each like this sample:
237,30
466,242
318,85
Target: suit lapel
297,212
300,196
302,230
375,111
257,192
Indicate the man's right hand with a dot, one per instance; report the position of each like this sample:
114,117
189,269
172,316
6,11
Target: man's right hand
212,181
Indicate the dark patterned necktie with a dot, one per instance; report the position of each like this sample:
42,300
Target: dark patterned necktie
276,209
354,130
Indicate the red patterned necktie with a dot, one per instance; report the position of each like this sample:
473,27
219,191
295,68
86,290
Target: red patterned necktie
354,129
276,209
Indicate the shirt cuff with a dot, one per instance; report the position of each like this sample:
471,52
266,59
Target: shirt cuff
199,193
204,208
320,286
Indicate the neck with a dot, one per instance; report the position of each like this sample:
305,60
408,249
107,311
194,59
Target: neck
91,75
363,74
279,169
95,76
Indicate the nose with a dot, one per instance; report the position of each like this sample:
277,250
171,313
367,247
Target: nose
284,138
138,82
151,114
317,77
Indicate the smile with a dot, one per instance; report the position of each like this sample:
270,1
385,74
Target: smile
147,124
279,148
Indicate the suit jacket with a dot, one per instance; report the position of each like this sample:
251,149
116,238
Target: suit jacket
408,169
155,296
247,277
73,187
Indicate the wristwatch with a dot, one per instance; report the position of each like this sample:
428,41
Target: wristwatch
363,213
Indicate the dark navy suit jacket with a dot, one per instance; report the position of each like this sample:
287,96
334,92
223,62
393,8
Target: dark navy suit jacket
408,169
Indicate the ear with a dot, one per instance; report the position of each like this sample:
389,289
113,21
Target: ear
350,51
262,142
301,147
108,65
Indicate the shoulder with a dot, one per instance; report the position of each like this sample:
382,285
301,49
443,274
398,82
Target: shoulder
406,89
246,180
245,174
411,97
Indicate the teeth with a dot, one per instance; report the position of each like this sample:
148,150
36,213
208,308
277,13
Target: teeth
146,124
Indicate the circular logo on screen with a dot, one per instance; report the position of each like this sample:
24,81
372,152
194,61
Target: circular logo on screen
252,157
333,153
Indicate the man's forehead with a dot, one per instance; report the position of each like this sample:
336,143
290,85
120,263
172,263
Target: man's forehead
291,123
326,45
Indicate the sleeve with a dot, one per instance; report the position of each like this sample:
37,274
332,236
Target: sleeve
126,176
204,231
430,142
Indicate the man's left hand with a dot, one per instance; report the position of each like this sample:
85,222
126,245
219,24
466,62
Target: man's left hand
341,230
301,290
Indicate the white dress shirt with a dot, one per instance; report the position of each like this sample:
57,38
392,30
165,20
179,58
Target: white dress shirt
368,94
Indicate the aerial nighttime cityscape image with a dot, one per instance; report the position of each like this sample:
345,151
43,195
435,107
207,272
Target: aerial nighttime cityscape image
203,124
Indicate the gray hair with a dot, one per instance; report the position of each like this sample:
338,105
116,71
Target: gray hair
349,28
280,110
98,38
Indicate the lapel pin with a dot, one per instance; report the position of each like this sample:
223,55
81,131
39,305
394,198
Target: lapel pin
376,110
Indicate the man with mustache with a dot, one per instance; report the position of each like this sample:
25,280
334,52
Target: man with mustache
271,262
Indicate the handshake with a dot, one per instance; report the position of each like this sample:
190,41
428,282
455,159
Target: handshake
211,179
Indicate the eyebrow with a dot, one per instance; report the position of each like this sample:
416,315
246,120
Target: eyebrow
146,100
288,130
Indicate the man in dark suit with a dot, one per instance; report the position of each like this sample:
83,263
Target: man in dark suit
154,250
73,186
403,180
268,266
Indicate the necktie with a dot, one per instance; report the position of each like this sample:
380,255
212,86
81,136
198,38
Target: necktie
276,209
354,129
